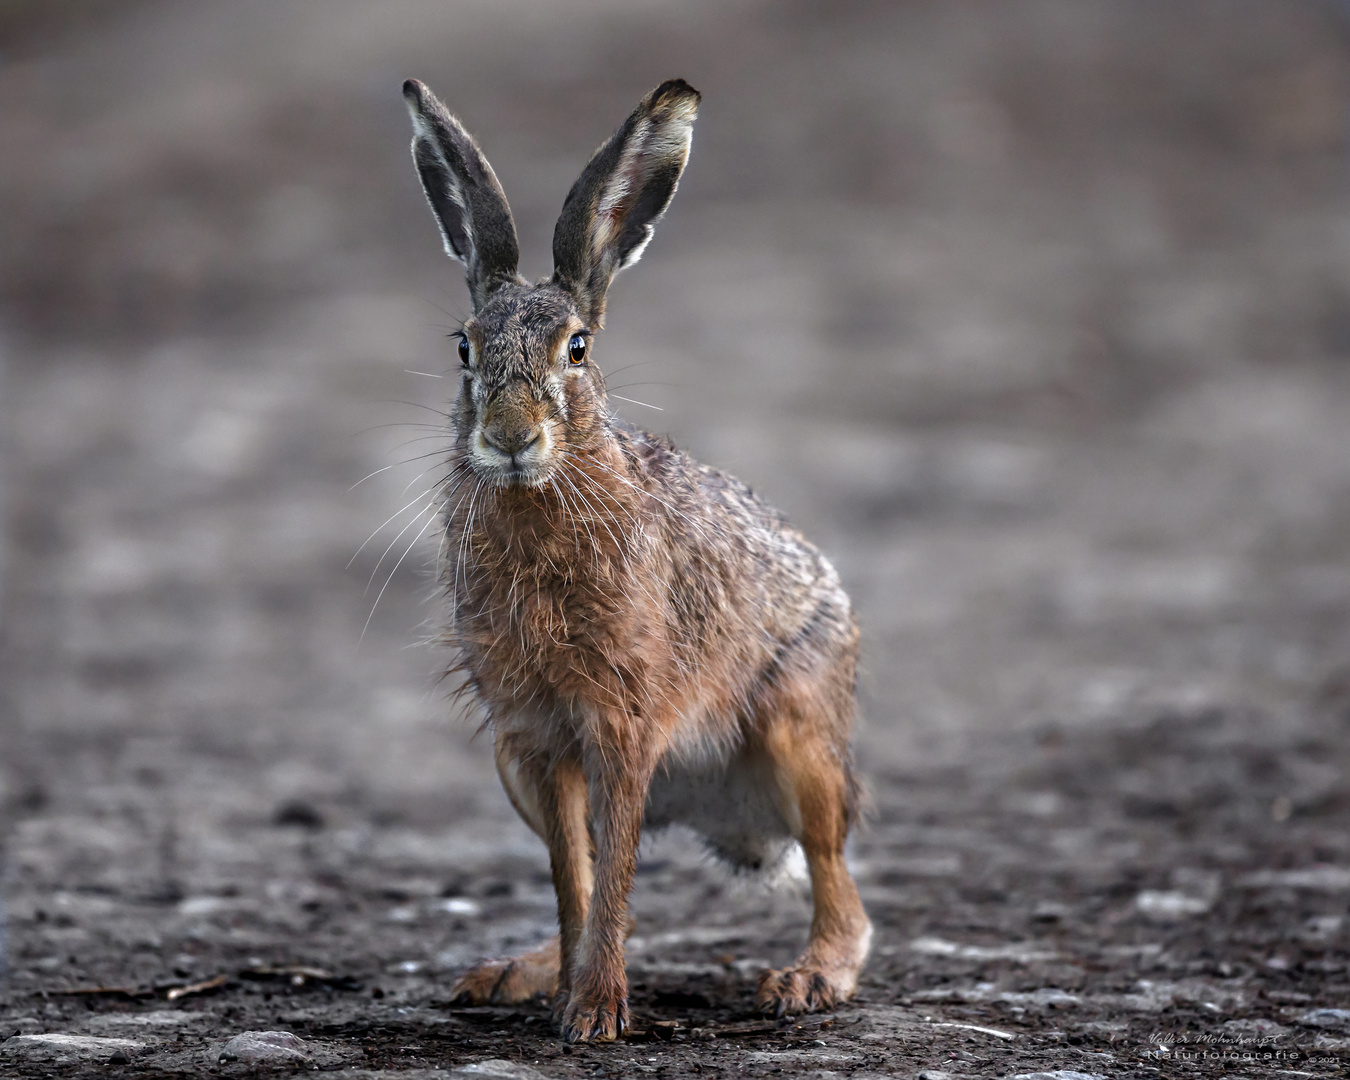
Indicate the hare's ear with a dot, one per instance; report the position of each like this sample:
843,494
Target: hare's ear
627,185
469,205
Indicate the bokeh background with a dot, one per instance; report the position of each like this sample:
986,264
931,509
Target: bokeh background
1035,316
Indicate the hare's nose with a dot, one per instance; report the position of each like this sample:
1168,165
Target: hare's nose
511,442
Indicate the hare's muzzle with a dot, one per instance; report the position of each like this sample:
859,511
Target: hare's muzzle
512,441
513,445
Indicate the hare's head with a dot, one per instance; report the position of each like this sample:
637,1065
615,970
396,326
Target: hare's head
529,391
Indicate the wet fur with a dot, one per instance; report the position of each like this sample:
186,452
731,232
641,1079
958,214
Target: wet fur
648,641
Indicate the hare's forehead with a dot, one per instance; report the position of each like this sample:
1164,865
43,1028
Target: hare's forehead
519,317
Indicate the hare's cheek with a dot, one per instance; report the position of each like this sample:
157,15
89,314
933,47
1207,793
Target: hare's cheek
466,409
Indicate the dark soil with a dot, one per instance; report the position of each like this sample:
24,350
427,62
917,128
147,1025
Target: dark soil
1036,317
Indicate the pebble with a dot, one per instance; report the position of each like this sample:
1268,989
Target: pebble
1059,1074
1326,1018
1168,906
264,1048
1259,1026
156,1018
1324,878
1022,952
53,1045
497,1069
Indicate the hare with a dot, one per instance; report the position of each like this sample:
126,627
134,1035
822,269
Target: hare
650,643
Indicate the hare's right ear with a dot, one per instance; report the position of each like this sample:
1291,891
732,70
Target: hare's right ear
462,189
625,187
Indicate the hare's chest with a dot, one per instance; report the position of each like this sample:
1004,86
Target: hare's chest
578,643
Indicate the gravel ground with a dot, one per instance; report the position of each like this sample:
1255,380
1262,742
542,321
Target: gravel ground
1036,317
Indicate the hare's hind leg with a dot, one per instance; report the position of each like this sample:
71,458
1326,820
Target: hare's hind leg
816,792
553,804
510,981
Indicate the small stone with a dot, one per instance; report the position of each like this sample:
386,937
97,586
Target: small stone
264,1048
1167,906
1049,912
54,1046
1326,1018
1266,1029
1059,1074
297,812
497,1069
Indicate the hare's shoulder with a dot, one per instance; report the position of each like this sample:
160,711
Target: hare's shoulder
727,522
691,487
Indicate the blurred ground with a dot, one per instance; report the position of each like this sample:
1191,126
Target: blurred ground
1036,317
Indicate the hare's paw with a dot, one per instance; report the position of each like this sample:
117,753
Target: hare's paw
798,990
597,1017
506,982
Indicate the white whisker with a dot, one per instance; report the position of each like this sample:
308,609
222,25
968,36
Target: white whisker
395,540
391,577
635,401
392,517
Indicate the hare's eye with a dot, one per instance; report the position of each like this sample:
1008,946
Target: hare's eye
576,349
464,351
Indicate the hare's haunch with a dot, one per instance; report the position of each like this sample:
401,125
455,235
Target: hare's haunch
650,643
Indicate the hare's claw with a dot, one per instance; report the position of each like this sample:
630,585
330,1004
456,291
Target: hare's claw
796,990
594,1020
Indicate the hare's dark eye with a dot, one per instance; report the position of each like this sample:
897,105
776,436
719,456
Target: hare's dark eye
464,351
576,349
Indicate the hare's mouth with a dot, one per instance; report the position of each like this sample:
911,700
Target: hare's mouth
526,462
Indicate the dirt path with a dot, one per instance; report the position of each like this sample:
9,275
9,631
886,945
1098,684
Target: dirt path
1036,318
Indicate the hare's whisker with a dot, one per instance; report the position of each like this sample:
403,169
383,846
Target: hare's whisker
419,405
378,562
423,473
603,493
444,311
466,538
450,519
377,472
390,578
427,425
634,401
629,367
392,517
566,510
587,522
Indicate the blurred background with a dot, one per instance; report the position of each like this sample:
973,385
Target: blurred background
1036,317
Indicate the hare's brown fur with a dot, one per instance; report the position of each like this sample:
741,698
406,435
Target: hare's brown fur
647,639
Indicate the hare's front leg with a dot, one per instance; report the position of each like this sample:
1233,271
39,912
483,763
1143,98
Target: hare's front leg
552,802
563,798
597,1010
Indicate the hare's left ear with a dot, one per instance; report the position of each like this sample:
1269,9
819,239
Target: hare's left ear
469,204
624,189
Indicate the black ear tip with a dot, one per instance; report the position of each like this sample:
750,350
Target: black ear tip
413,91
675,90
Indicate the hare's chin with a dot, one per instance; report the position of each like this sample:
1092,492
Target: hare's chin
525,474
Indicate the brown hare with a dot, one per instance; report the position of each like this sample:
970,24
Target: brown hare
650,643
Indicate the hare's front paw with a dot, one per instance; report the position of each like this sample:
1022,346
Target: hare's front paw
797,990
597,1015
